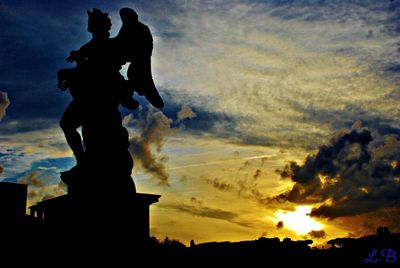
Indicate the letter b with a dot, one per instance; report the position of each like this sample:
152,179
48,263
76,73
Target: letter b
389,255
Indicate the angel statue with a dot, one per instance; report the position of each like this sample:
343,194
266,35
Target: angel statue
97,89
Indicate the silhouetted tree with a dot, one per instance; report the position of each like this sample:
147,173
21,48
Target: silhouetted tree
382,230
173,244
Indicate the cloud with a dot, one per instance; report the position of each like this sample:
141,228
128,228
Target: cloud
221,185
46,192
245,165
196,201
20,126
257,174
243,187
266,78
40,187
185,113
256,81
145,147
334,118
32,179
317,234
4,103
198,209
351,175
202,211
21,152
366,224
27,143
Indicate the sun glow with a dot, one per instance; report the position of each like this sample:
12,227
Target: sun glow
298,220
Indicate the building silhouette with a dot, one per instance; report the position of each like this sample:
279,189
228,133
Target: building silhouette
129,215
74,223
13,202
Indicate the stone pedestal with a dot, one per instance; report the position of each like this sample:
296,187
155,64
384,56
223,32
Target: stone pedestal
98,217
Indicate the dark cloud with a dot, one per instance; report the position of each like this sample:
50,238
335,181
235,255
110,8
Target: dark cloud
337,119
27,125
198,209
264,160
349,174
334,10
220,125
393,67
217,183
205,121
196,201
245,188
245,165
392,20
213,124
203,211
257,174
317,234
366,224
154,127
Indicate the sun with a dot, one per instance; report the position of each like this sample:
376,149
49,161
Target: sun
298,220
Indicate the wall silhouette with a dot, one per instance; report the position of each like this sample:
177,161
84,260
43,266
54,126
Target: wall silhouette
12,202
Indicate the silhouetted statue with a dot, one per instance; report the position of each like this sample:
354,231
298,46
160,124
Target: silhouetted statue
95,61
135,42
97,88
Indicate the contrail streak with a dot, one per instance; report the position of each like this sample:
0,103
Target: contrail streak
210,163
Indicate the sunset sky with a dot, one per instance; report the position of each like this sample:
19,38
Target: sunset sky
282,117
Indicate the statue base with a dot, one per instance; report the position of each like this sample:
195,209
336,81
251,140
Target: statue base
97,217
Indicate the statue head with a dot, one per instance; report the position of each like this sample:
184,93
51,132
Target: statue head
128,15
99,23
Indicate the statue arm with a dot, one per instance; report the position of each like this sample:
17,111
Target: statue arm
79,56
